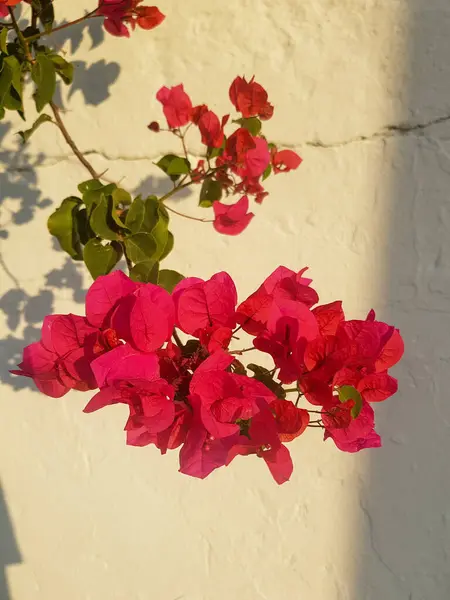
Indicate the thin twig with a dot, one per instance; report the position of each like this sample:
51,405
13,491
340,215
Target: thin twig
239,352
180,214
37,36
70,141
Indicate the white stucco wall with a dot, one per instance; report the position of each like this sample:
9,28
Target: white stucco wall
357,86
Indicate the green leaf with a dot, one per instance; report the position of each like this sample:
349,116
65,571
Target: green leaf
3,40
169,246
151,215
92,197
348,392
25,135
252,124
63,68
141,247
47,14
169,279
91,184
174,166
267,172
211,191
11,86
44,76
6,77
121,196
84,229
145,272
101,258
265,377
62,224
160,231
101,220
135,215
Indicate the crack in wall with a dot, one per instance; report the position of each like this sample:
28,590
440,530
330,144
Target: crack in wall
390,131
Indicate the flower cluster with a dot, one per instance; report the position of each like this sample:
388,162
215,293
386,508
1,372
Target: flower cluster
196,394
234,164
120,13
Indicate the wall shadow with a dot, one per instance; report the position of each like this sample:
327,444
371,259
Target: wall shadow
9,551
21,200
404,545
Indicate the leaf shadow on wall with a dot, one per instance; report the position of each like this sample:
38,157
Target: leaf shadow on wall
404,538
21,200
9,551
93,80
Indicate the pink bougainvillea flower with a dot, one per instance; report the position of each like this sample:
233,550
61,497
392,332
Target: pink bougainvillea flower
256,160
224,398
238,145
285,160
215,337
352,435
119,13
250,98
169,438
264,441
377,387
125,362
150,403
289,327
61,361
148,17
142,315
104,294
211,129
232,219
201,453
328,317
201,304
290,420
283,284
197,113
146,319
41,365
371,344
177,105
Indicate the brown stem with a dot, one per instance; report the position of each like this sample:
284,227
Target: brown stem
180,214
70,141
20,36
239,352
37,36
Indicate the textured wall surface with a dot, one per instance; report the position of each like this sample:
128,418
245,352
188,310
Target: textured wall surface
362,92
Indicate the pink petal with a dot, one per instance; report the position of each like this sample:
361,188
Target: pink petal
279,463
152,318
207,304
328,317
124,363
116,27
65,333
103,398
104,294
